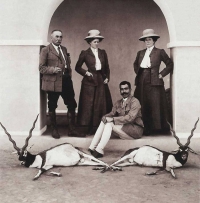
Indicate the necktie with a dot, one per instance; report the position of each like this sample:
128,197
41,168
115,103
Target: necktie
123,103
60,55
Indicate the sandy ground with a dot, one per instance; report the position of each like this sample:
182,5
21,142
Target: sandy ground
81,184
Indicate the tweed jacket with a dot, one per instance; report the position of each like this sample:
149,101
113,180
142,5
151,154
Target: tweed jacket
88,58
156,57
127,115
49,59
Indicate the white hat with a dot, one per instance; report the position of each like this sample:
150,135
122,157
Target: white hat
94,34
148,33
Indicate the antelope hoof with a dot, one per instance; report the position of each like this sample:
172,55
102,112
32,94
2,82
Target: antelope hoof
36,177
105,169
98,168
115,168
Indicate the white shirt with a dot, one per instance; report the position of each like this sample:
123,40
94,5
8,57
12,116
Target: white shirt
56,48
146,63
124,101
98,62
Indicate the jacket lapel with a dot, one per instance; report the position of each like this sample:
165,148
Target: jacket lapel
153,51
142,53
90,52
100,55
126,102
64,52
52,49
152,55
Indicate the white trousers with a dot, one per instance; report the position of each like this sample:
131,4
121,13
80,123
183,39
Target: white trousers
103,135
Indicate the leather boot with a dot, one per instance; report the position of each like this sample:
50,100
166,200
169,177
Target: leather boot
71,125
54,130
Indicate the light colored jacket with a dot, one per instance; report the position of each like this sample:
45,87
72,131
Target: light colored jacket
127,115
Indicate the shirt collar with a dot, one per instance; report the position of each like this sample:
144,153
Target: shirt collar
56,47
124,99
94,50
150,49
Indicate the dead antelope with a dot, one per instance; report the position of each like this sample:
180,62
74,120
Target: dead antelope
61,155
153,157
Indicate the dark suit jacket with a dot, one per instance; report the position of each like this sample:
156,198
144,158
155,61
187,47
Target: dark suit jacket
88,58
49,59
128,116
156,57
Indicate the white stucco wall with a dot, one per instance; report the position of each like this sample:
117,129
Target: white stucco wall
24,26
182,19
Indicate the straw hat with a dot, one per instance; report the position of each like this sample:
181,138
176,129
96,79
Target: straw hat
148,33
94,34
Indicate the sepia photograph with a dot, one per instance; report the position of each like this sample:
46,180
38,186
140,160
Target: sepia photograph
99,101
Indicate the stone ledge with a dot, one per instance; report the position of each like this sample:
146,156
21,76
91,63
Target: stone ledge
162,142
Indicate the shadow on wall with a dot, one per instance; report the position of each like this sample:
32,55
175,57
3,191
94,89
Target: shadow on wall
121,23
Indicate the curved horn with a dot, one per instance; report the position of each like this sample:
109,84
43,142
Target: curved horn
174,134
188,140
10,138
30,135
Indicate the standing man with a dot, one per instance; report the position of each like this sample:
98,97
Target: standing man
124,119
56,81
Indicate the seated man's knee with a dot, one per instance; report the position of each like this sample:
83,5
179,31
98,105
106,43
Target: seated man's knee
109,124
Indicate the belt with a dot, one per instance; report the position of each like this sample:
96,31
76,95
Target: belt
145,69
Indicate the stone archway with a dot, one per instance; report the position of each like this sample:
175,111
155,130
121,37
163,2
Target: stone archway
169,18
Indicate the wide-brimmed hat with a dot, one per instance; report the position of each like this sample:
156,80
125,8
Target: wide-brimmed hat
148,33
94,34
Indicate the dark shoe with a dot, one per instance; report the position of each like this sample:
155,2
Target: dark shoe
91,151
71,126
55,133
97,154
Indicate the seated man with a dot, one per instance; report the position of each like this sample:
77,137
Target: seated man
124,119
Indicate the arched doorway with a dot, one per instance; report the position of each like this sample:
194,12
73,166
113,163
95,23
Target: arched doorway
121,23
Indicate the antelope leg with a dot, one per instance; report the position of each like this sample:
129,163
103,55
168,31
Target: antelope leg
42,170
38,174
155,172
172,172
56,173
115,168
127,160
104,169
87,159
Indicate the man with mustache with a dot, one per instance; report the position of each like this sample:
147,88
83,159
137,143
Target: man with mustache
55,67
125,120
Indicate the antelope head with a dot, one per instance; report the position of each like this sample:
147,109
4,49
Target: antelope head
183,149
22,152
